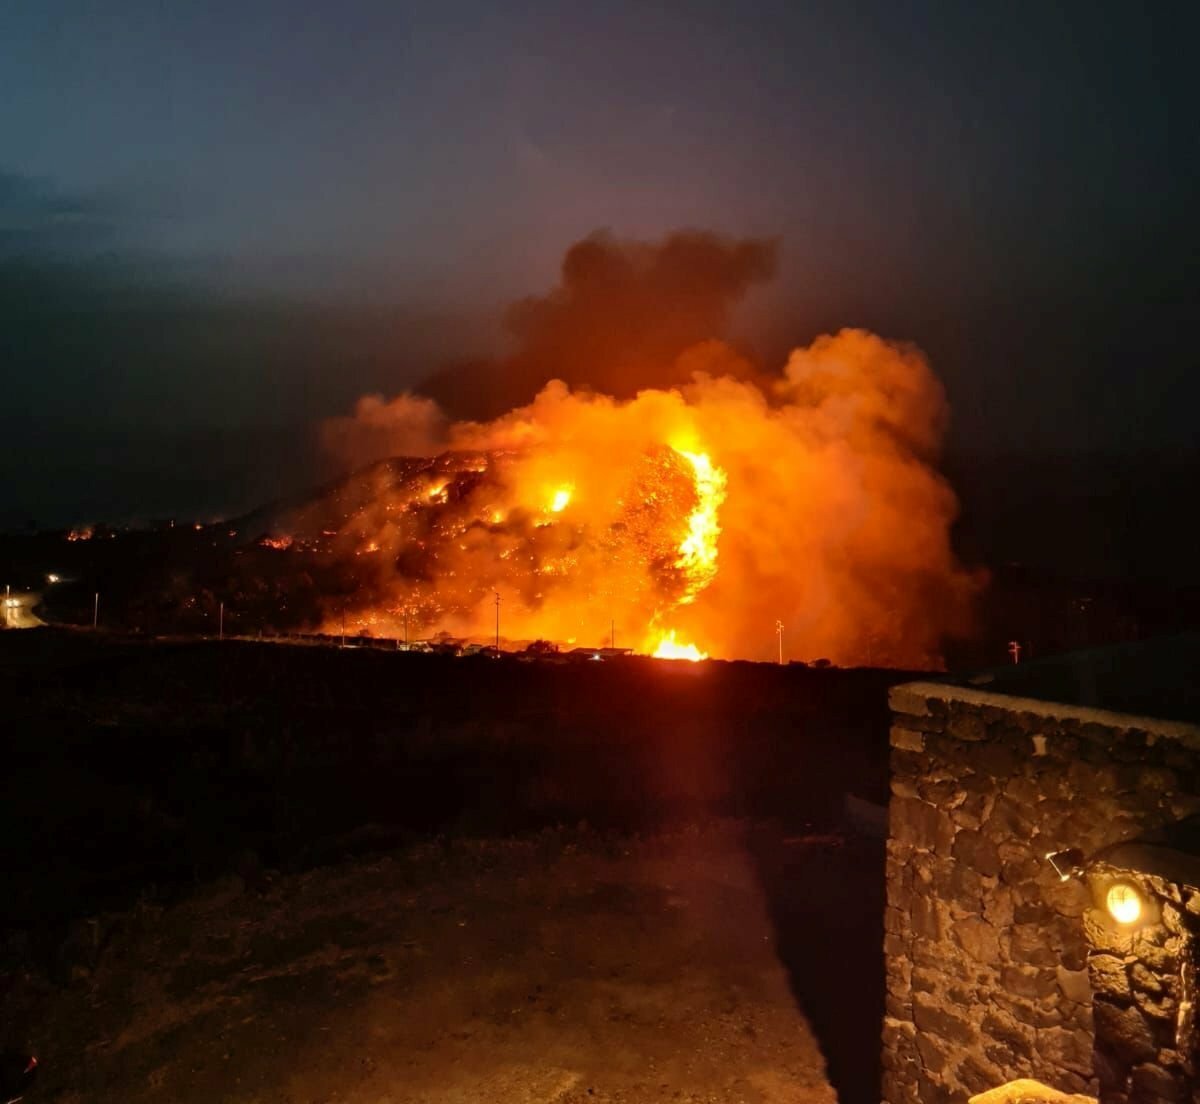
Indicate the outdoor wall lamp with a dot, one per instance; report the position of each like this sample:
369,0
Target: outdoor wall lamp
1123,902
1110,877
1067,864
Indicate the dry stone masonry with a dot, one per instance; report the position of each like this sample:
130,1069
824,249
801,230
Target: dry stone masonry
1144,986
997,969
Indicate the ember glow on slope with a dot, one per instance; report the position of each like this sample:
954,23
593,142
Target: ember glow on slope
689,518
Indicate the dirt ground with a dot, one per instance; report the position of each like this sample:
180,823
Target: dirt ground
566,968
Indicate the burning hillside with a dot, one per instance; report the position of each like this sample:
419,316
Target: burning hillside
685,518
432,543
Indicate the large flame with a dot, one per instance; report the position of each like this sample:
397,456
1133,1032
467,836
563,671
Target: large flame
685,522
670,648
698,551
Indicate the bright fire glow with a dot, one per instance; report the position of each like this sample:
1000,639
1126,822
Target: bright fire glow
692,518
670,648
698,552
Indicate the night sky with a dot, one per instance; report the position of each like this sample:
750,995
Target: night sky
222,222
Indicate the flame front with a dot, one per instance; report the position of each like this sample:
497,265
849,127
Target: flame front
698,552
670,648
685,522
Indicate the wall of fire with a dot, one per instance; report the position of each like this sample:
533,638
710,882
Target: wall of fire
997,968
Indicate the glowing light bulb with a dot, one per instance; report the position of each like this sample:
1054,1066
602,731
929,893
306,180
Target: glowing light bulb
1123,903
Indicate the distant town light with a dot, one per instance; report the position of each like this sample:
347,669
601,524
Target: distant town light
52,578
1124,903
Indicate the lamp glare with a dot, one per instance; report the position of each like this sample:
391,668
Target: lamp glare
1123,903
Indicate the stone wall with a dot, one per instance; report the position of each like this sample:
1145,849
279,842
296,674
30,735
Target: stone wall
986,949
1144,986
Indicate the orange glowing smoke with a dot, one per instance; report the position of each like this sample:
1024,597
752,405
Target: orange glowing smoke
692,518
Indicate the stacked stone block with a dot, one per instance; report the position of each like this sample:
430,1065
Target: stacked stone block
988,974
1144,983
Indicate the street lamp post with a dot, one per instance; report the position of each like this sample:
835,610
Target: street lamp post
779,634
497,594
221,621
95,609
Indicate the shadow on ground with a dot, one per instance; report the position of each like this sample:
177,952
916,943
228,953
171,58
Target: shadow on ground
570,967
826,904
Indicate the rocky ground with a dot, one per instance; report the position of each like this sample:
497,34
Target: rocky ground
567,967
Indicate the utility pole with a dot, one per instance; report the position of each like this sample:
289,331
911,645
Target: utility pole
612,635
779,634
406,628
1014,650
96,609
7,596
343,626
221,621
497,593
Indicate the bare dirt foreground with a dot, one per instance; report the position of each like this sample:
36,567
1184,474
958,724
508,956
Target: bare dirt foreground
567,968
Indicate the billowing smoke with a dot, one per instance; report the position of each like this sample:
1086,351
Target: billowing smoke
407,425
617,323
699,509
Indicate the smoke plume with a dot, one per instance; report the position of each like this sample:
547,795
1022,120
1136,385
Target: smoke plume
690,514
617,323
407,425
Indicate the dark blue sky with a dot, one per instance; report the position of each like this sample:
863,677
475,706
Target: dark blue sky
222,221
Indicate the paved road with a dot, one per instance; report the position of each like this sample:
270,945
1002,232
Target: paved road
18,610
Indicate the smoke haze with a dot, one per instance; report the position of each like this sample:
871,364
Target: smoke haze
617,323
703,506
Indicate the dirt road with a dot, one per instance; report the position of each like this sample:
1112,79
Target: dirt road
569,969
